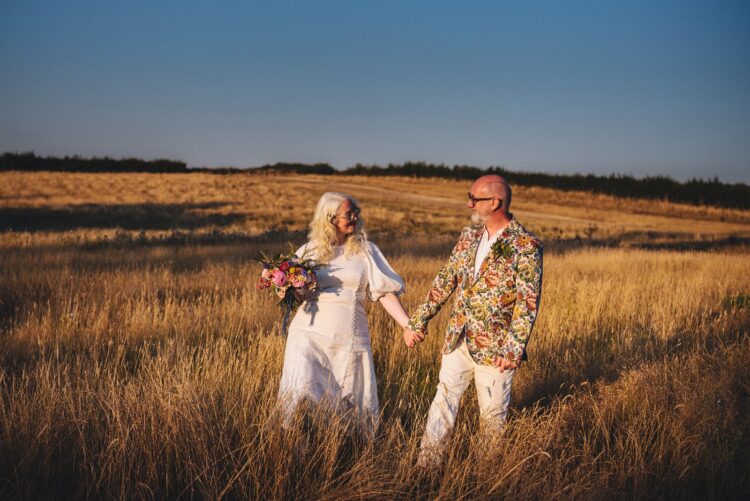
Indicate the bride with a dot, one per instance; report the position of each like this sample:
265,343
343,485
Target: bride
328,356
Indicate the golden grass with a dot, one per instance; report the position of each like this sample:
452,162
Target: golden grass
140,362
84,207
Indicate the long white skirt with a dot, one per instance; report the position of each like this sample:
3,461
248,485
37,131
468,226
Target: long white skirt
323,373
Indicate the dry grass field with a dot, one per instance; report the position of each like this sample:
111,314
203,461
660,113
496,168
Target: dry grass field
138,361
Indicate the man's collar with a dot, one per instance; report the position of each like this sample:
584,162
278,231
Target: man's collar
512,227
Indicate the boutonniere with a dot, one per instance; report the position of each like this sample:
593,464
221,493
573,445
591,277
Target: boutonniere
502,248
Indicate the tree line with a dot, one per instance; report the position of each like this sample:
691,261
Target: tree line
695,191
30,162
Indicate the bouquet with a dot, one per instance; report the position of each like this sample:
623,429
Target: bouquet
286,274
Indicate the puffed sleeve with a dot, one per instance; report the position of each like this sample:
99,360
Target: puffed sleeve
381,277
307,251
301,251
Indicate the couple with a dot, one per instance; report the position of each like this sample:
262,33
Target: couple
495,269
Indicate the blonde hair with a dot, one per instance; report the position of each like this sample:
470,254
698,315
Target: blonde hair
323,232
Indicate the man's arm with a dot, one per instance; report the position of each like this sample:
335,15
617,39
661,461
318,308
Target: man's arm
528,294
442,287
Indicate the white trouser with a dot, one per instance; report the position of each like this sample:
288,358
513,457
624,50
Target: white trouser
493,393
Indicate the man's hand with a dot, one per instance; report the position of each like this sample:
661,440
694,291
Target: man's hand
503,363
411,338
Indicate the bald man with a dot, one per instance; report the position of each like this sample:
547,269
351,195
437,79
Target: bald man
496,271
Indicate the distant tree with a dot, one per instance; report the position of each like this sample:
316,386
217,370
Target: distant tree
296,168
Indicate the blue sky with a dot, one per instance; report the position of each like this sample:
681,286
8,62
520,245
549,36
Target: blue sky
643,88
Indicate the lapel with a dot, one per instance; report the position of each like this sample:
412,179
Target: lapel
491,256
471,255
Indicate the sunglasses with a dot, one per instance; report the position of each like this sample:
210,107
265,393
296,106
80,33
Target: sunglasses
473,200
349,216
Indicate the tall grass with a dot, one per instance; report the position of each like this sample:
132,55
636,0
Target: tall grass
154,374
143,363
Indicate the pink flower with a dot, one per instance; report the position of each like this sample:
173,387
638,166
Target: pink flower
298,283
266,273
279,278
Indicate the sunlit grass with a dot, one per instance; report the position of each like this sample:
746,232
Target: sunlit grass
143,363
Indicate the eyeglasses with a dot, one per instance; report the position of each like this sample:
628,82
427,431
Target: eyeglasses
473,200
349,216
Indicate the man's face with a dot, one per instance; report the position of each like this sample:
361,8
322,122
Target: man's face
480,204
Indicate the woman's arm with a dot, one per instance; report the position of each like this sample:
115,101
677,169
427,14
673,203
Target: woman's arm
392,304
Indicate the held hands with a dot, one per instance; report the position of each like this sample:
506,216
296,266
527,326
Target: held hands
411,338
503,363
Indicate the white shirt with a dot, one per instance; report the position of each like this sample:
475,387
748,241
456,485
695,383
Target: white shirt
485,244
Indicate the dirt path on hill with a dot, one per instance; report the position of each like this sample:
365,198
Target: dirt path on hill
432,198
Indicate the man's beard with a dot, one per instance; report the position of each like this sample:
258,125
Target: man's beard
477,218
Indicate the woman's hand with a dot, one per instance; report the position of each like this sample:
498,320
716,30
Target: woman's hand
411,338
301,294
395,309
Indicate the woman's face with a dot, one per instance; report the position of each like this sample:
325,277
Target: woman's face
346,218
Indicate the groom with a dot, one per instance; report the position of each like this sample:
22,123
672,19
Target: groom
496,271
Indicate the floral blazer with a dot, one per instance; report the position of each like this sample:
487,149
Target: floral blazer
498,308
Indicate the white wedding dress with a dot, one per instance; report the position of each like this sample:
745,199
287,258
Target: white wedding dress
328,357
